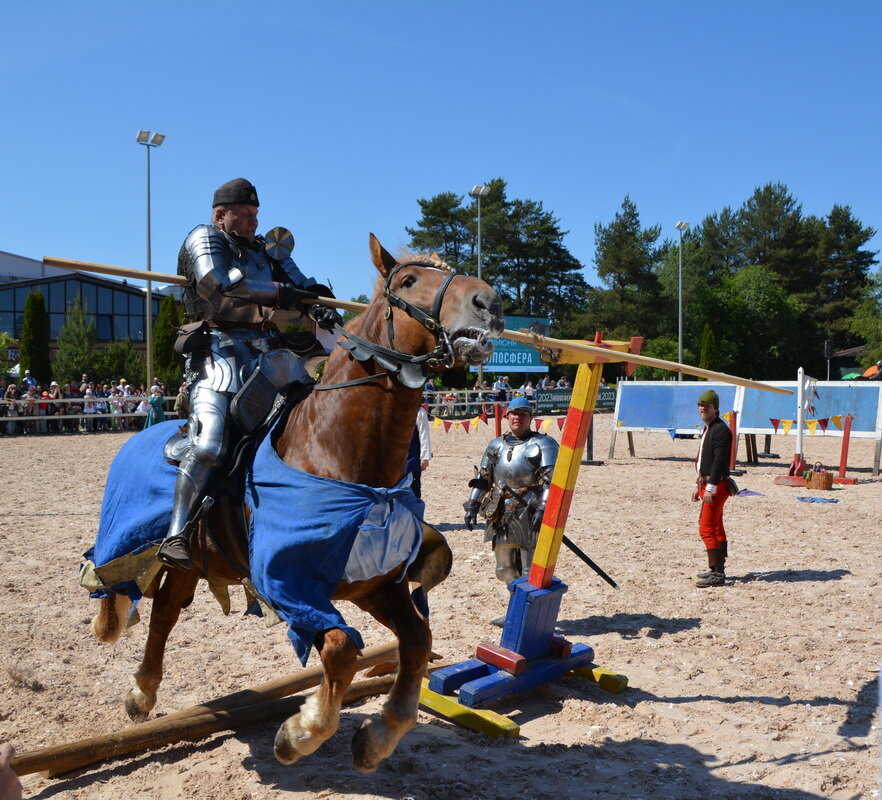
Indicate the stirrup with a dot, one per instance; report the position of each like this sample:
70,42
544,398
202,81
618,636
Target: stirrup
175,552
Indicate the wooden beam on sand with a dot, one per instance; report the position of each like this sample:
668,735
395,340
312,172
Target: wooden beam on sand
590,353
265,700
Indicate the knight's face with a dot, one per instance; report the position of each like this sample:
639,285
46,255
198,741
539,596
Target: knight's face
238,219
519,422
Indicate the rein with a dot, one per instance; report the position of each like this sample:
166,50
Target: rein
410,370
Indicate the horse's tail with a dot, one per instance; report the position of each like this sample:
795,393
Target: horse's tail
108,623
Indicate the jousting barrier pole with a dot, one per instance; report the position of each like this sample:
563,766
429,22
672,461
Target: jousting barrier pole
266,700
543,343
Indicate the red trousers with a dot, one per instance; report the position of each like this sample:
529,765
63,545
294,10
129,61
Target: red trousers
710,520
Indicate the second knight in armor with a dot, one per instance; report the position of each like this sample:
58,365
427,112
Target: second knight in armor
511,489
237,361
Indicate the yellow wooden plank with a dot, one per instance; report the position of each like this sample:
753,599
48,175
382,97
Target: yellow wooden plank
609,681
482,720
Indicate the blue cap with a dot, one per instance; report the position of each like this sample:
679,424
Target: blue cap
518,403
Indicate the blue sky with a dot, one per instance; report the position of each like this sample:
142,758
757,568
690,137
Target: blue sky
344,113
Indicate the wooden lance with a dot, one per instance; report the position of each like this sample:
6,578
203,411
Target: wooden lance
530,338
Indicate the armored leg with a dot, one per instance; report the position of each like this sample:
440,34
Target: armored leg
526,560
208,411
192,481
506,563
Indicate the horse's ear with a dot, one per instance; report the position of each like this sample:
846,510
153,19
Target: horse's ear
383,260
438,261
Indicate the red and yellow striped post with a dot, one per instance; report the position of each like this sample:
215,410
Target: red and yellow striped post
566,470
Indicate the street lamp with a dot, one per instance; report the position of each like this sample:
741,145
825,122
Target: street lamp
149,140
681,226
478,192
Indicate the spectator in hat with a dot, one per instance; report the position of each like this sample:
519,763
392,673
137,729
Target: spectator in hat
712,488
28,381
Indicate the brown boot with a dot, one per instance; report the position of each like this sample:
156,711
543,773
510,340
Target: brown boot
717,576
724,550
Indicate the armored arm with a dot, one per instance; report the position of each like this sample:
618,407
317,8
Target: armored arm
480,484
208,259
548,450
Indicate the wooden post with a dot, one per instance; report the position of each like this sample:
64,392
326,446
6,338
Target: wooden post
843,453
734,428
563,479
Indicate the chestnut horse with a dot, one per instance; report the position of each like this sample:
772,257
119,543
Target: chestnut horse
423,317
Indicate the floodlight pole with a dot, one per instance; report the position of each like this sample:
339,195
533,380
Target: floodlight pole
145,138
681,226
478,192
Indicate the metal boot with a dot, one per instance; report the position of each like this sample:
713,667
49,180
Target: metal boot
190,486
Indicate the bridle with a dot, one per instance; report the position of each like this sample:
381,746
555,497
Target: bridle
408,369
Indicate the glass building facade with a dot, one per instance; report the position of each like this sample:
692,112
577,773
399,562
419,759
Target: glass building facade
117,309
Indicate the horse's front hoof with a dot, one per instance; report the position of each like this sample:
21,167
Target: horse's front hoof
139,704
293,741
365,757
283,749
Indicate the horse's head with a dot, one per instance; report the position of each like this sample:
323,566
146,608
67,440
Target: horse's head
458,313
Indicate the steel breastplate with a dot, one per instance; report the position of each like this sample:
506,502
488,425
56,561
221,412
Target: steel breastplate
517,462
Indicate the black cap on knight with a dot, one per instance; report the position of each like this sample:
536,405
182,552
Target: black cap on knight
236,191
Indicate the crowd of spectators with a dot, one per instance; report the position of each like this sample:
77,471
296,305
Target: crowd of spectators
28,408
444,402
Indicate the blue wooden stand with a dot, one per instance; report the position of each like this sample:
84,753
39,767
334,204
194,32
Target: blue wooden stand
533,655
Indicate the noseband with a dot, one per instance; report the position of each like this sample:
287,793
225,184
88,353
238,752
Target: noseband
410,370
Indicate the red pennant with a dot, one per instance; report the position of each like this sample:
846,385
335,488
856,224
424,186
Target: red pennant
447,426
483,417
823,423
560,423
465,425
537,423
775,423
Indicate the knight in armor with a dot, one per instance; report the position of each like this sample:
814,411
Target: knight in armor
510,491
237,362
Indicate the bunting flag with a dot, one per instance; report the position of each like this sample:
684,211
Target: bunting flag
672,432
465,425
837,421
728,418
823,423
447,426
545,425
536,424
483,417
787,424
436,424
775,423
561,421
812,425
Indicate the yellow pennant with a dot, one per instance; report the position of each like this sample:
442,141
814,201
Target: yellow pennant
787,424
437,423
545,425
811,424
837,421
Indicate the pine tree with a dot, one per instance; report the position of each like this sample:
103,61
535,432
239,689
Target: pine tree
708,358
34,347
120,360
76,344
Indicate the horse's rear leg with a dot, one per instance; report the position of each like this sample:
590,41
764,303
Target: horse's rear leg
319,717
378,737
174,593
109,622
